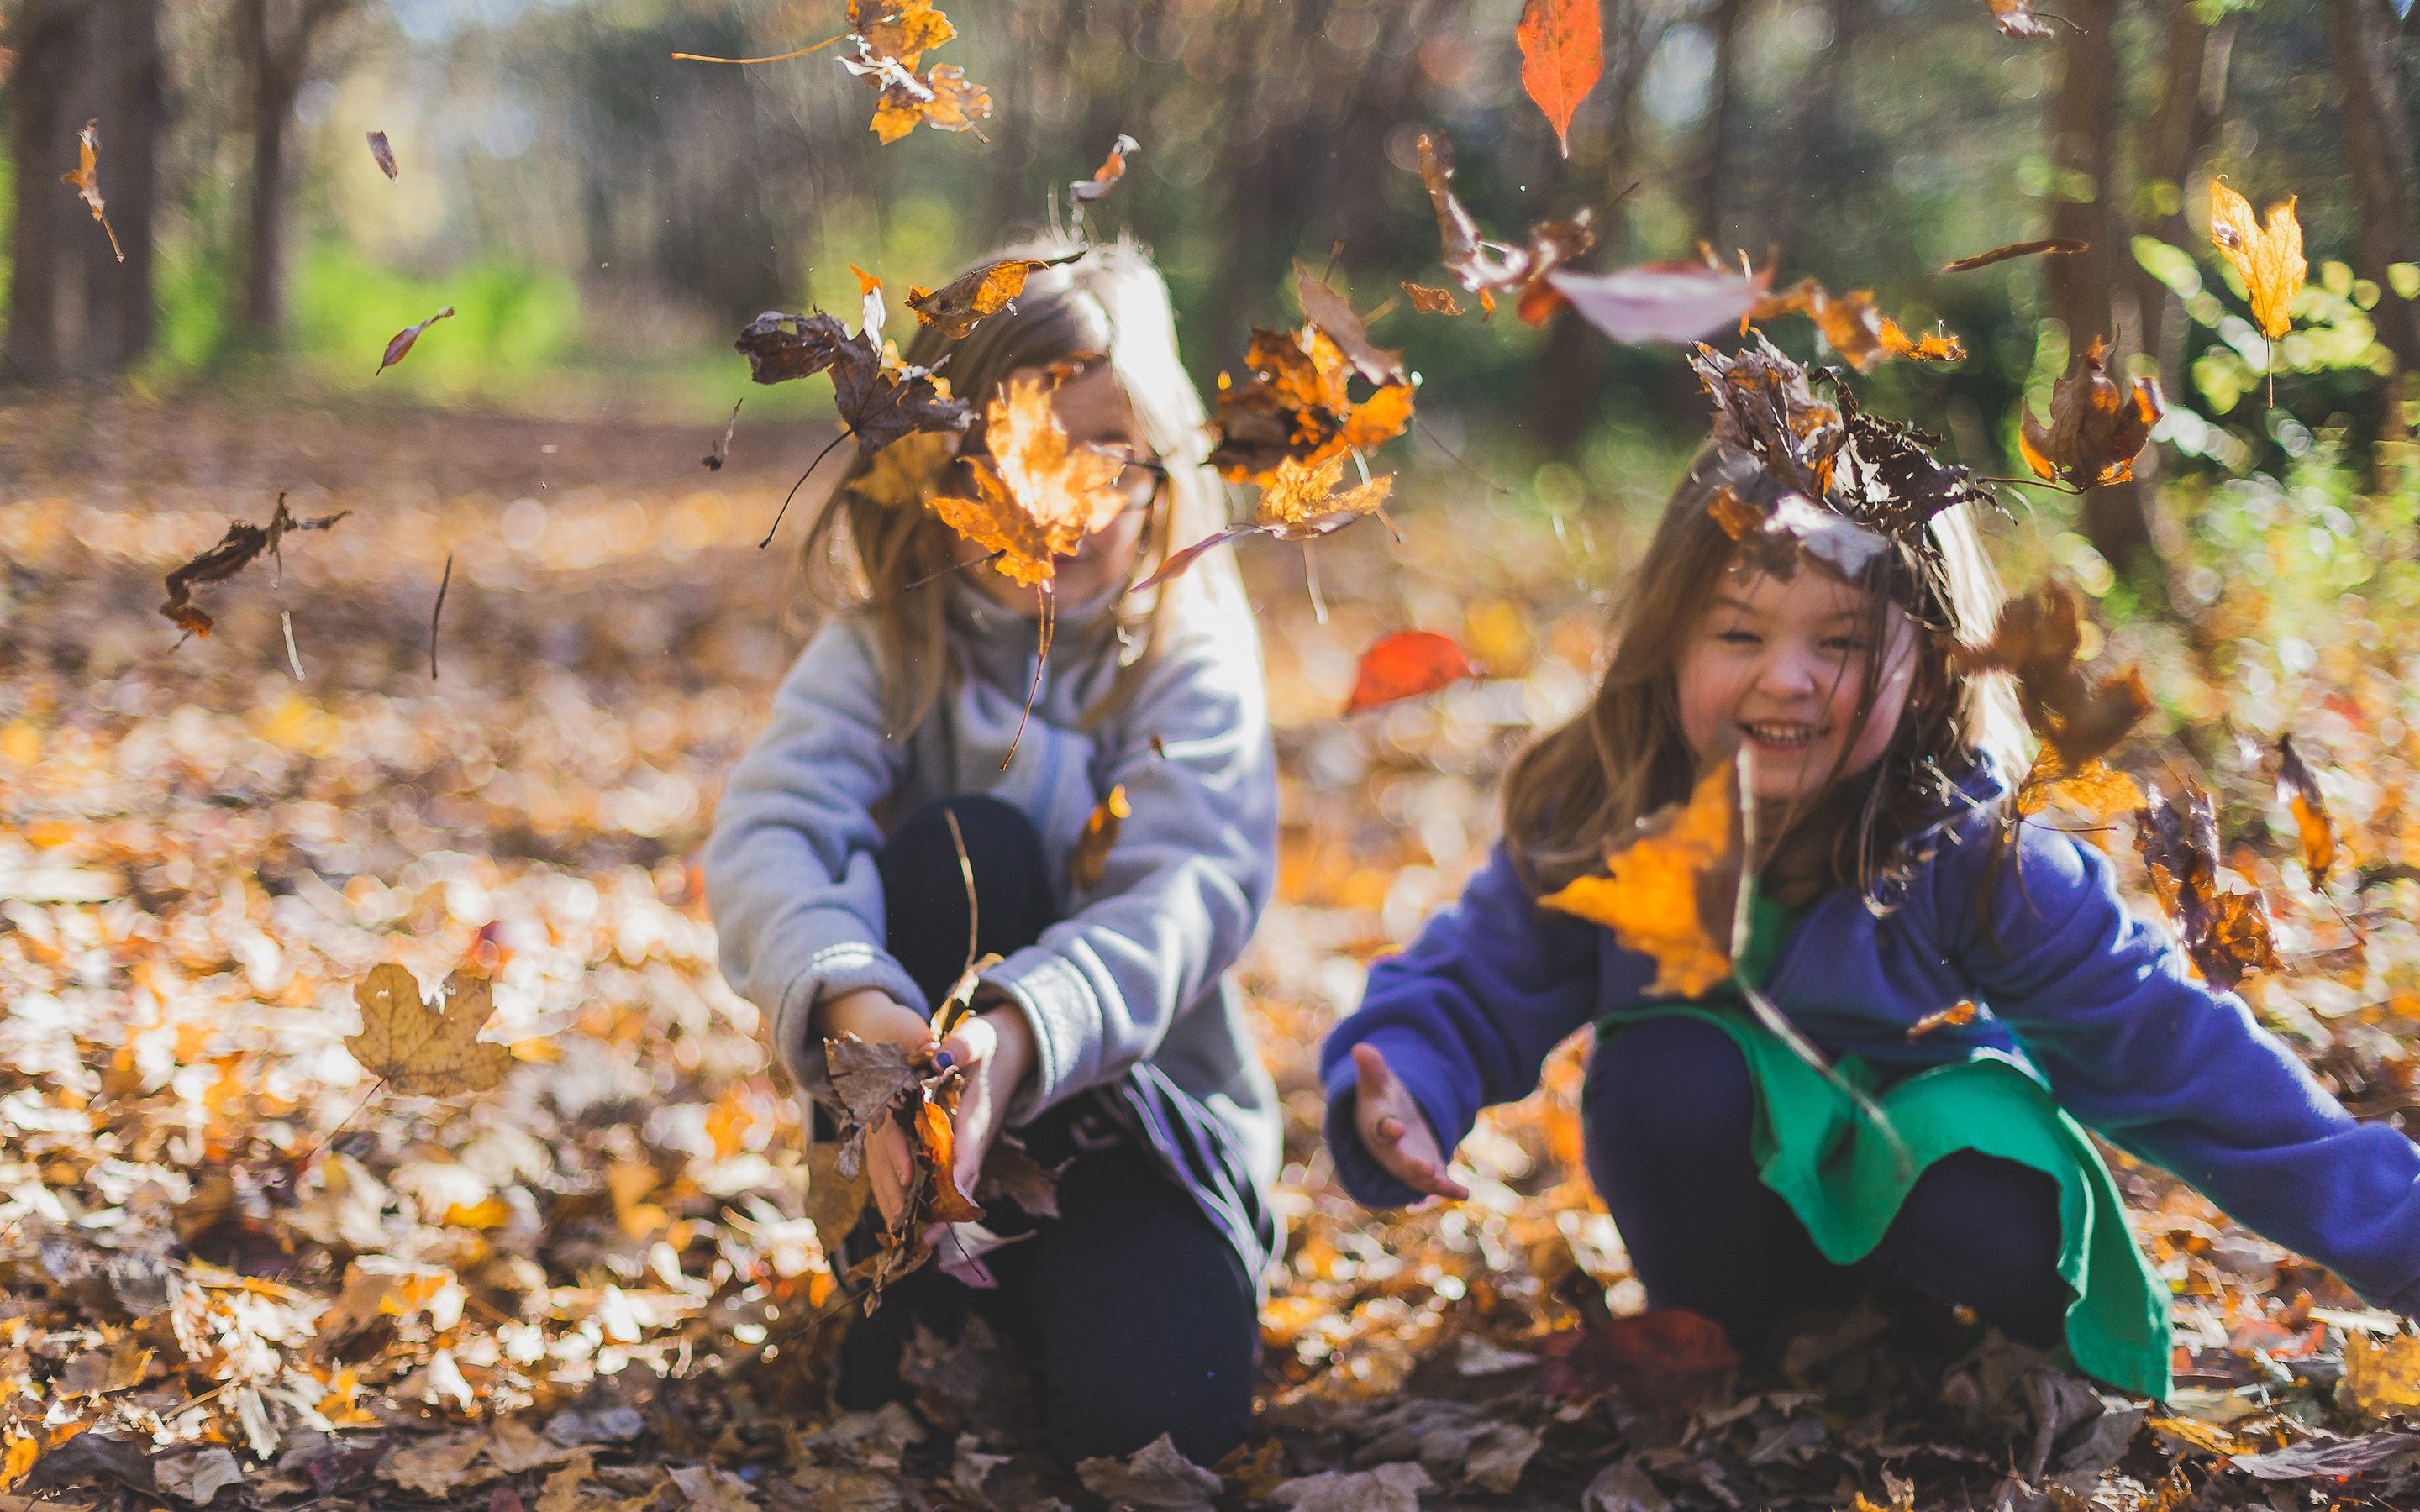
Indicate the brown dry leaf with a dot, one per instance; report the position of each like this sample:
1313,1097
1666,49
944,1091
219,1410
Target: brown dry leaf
85,180
2016,19
1295,404
1562,55
383,155
722,453
1091,851
902,30
439,1465
1038,496
907,471
868,1079
1431,300
1490,270
1105,178
561,1492
242,546
1010,1171
2096,429
2225,933
2300,788
1329,311
1156,1477
835,1201
1853,328
781,347
1672,893
2057,245
418,1053
2037,640
959,306
2269,257
516,1448
399,345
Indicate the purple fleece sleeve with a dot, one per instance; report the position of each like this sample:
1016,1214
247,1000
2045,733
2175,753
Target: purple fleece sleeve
1466,1017
2148,1055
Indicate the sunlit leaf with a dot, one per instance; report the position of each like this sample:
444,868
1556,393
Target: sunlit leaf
1562,55
1672,892
1406,664
2097,428
2269,257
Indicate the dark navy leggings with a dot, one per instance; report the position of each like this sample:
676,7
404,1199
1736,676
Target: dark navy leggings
1131,1306
1670,1113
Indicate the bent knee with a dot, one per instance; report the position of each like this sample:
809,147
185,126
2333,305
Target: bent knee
1669,1085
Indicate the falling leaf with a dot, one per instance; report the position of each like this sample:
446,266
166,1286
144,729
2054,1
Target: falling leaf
1105,178
1891,473
1672,892
873,315
1407,664
890,42
2300,788
1563,55
85,180
1328,310
2225,933
906,474
1765,407
1490,270
2015,19
418,1053
383,155
1677,302
2095,788
2096,428
1091,851
1298,503
721,452
2060,246
236,550
1037,495
956,306
399,345
2037,640
1853,328
781,347
880,398
1431,300
1295,404
1956,1016
2270,257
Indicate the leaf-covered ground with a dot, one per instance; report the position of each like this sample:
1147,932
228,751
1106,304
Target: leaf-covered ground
233,1272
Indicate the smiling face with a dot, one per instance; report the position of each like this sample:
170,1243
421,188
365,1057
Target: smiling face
1093,407
1780,669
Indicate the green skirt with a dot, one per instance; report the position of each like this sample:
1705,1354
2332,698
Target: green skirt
1844,1180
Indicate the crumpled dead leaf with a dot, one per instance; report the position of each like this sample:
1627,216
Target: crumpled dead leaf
242,546
1155,1478
2097,429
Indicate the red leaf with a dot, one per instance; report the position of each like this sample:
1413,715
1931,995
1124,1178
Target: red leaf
1562,53
1404,664
1662,1362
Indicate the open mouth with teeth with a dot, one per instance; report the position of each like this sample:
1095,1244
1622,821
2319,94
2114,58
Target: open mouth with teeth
1783,734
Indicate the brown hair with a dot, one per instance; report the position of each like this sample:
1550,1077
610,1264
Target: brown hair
1583,787
892,564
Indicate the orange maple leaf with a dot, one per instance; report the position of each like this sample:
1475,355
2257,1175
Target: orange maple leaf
1037,495
1672,894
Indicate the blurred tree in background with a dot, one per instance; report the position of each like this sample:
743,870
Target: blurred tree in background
604,217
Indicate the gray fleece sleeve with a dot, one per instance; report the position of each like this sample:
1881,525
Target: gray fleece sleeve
1186,882
789,868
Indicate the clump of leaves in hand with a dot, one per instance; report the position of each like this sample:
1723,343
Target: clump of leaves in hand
2300,788
2078,718
1299,502
85,180
420,1053
872,1082
2225,933
2097,428
1295,404
2270,257
1494,269
1853,328
1562,55
1406,664
236,550
888,40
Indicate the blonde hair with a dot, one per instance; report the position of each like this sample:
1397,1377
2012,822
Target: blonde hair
892,564
1583,787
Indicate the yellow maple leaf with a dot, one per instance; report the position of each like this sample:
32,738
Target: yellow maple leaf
424,1054
1298,493
2095,788
1672,892
1037,495
2270,257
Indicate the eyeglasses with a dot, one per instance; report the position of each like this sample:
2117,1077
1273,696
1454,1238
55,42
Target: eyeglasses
1140,483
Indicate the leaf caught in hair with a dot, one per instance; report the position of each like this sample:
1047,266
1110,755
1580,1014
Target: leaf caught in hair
2016,19
1562,55
1676,301
2225,933
1956,1016
2270,257
85,180
721,452
1328,310
1091,852
1488,268
1295,404
1891,474
1764,407
1853,328
959,305
399,345
1298,503
1105,176
1672,893
1431,300
2095,429
1037,495
383,155
2060,245
1406,664
2300,788
2037,640
420,1053
236,550
1798,526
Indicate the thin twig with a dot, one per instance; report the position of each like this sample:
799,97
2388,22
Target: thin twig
293,658
1041,660
305,1159
967,875
1422,427
779,57
442,584
958,567
845,435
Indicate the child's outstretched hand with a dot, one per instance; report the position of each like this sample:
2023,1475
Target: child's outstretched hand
1395,1131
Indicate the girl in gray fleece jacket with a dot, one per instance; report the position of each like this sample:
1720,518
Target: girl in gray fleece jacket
1112,1036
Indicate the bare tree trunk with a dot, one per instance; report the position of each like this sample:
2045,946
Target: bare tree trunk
2378,150
2082,286
41,146
1719,153
275,37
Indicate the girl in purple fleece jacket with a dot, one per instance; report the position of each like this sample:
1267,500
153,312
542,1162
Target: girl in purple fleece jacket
1896,888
